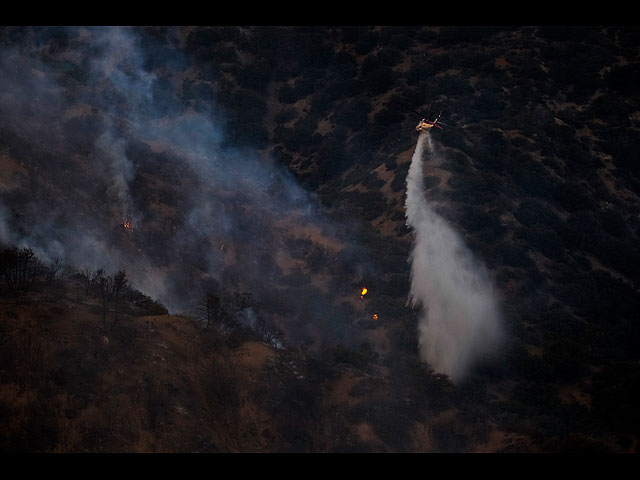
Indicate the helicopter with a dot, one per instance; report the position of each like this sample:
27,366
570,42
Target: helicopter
424,124
428,121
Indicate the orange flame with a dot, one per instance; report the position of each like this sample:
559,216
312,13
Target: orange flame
127,224
375,316
363,292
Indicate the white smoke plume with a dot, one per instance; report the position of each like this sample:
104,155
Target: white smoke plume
459,319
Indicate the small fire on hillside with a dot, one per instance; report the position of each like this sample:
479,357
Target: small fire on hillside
363,292
127,225
375,316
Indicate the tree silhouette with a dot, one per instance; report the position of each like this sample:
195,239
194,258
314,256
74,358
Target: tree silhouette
19,267
110,290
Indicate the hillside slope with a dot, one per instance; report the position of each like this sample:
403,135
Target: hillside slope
262,170
166,383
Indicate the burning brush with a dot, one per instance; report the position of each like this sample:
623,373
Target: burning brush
126,224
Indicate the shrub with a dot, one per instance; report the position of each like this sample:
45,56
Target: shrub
514,255
616,395
545,240
389,56
531,212
200,41
576,443
302,87
475,219
453,85
387,116
468,33
573,196
344,65
614,223
581,229
419,72
562,34
19,267
354,114
489,105
612,109
623,145
621,79
531,176
254,76
477,189
366,42
564,361
286,115
431,181
379,80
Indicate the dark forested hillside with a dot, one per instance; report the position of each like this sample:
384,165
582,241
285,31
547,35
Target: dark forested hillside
250,181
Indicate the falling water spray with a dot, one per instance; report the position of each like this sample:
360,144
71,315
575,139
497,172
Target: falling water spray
459,322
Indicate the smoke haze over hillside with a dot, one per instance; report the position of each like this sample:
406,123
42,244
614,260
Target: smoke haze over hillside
459,321
130,149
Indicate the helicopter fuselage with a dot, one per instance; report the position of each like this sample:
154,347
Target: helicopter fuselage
423,126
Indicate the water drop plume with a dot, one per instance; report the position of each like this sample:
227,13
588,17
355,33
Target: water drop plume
459,318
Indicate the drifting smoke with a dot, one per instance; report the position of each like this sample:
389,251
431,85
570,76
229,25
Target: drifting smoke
98,131
459,321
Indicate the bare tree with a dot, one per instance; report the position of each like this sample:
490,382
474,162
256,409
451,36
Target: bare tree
87,272
120,283
269,332
53,269
110,289
104,283
32,344
210,308
5,330
19,267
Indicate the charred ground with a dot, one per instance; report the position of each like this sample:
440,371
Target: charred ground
540,175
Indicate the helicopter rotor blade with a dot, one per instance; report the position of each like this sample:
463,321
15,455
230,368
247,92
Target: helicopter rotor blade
407,107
